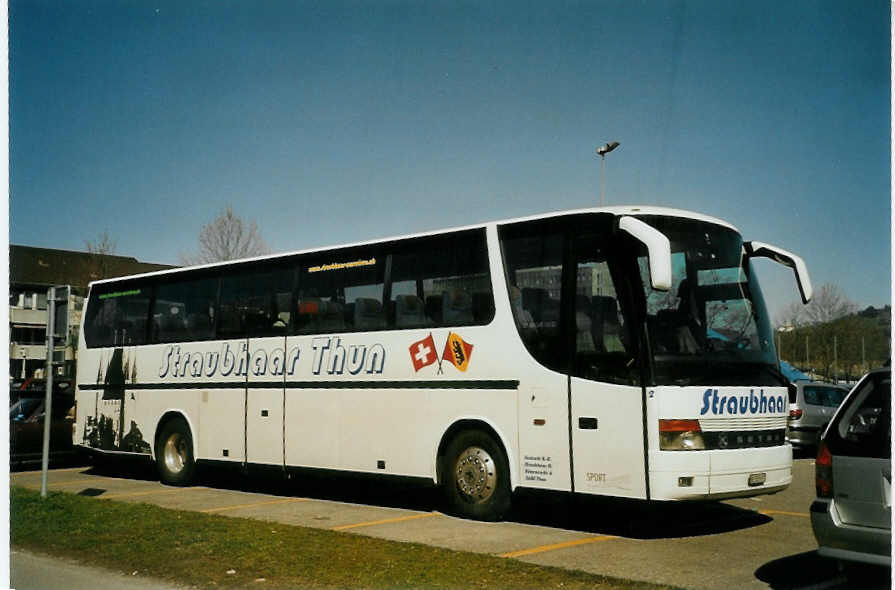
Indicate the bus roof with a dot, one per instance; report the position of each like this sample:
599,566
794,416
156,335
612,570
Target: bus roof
617,210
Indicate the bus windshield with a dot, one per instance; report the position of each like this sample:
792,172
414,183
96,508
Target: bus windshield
711,327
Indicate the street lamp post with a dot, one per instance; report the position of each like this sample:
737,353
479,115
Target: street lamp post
602,151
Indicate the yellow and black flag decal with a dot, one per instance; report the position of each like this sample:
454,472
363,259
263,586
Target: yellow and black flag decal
457,351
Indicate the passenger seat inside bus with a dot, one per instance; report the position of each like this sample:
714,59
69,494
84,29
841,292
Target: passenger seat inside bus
199,325
331,316
606,328
482,306
584,325
433,309
368,314
170,325
309,313
456,307
524,322
544,309
409,312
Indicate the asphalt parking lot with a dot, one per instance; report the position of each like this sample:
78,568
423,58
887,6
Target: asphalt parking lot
763,542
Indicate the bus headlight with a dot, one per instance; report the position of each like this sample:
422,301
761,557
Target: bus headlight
680,435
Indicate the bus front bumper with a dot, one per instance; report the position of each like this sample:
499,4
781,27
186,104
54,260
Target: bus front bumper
719,474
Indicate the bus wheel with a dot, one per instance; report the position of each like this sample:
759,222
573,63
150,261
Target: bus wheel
174,453
476,476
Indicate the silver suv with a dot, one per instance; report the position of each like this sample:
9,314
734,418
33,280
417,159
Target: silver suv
811,407
852,515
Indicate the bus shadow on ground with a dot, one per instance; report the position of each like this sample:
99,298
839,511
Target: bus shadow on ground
606,516
393,492
810,570
636,519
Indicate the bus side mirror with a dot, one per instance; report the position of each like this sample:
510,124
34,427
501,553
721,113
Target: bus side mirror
780,256
658,248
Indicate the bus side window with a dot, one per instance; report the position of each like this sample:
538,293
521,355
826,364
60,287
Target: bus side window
534,277
441,281
602,342
117,316
341,291
410,312
251,300
184,310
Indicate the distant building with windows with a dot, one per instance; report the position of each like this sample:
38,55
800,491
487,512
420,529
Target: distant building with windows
591,280
32,271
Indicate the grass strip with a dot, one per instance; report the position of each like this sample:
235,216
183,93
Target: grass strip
199,550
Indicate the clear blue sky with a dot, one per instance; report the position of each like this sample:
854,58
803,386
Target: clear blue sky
329,122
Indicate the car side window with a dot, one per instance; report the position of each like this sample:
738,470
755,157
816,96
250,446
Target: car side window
865,425
812,395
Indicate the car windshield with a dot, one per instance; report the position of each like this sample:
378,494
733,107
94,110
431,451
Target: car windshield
711,327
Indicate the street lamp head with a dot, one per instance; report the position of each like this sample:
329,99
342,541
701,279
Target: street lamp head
605,149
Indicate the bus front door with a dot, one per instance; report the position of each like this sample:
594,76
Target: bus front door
607,439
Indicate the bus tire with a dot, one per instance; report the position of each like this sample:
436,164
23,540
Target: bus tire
476,479
174,453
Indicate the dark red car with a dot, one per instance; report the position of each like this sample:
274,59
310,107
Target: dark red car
26,422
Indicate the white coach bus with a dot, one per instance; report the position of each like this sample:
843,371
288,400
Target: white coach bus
620,351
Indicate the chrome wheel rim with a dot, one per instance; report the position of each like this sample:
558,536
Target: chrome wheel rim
476,475
175,453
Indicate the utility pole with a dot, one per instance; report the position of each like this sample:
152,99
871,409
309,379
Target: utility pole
54,306
48,400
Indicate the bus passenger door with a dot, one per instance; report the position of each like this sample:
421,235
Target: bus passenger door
222,403
607,439
606,421
265,316
264,400
250,307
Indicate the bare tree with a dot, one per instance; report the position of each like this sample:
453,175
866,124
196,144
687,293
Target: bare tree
829,303
227,237
791,315
99,249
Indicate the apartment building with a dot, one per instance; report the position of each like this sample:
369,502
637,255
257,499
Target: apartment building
32,271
